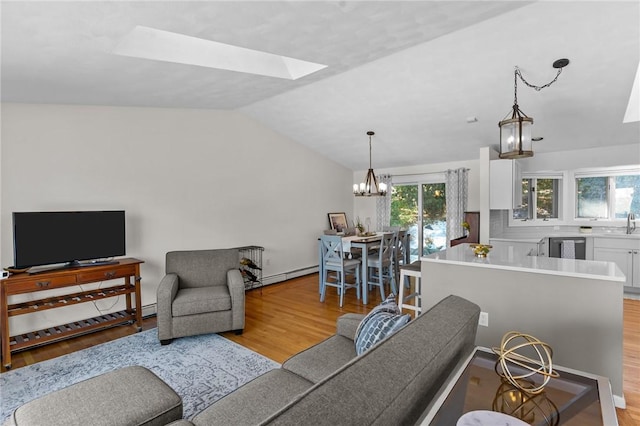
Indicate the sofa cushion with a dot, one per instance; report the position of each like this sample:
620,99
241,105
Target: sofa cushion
321,360
252,403
127,396
383,320
192,301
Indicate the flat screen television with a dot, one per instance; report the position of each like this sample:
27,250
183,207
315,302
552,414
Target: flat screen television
47,238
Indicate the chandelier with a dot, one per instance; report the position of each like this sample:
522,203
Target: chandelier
515,132
370,186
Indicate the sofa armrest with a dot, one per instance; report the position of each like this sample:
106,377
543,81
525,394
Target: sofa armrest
347,325
167,290
236,290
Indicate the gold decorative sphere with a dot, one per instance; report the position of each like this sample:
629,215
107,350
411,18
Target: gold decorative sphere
521,370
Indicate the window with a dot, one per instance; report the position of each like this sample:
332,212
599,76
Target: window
607,197
540,199
626,196
591,197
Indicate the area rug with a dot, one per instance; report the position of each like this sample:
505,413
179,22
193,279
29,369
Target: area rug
201,369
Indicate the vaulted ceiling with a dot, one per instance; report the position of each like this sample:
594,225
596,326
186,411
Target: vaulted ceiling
414,72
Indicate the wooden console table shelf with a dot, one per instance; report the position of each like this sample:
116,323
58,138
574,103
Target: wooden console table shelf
128,269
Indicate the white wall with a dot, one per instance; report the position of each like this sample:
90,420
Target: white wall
187,179
366,206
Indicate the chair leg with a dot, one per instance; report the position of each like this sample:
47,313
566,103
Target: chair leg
342,288
394,288
401,292
323,286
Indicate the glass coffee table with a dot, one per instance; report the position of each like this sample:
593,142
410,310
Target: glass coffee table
574,398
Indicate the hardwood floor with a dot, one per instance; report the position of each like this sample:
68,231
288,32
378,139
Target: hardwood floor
631,363
288,317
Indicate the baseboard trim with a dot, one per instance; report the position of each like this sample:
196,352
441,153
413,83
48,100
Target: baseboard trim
273,279
619,402
149,310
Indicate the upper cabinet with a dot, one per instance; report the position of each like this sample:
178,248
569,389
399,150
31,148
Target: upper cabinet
505,179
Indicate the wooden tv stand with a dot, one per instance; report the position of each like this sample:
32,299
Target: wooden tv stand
128,269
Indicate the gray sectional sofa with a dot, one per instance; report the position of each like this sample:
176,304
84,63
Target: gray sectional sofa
391,383
327,384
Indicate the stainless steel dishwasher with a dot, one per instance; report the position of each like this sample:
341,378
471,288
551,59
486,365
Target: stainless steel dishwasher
555,246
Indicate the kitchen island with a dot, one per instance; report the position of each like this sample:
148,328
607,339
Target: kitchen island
573,305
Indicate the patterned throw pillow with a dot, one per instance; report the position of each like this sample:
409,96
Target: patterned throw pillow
383,320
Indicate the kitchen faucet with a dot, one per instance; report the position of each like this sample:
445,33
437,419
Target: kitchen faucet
631,218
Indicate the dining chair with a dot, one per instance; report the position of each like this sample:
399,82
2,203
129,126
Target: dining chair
380,265
333,261
389,229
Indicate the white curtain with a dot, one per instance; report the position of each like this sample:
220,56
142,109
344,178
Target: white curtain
383,204
457,184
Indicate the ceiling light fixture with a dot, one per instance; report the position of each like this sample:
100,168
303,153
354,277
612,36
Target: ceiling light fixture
370,186
515,132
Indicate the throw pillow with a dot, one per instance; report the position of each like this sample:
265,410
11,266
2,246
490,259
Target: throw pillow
388,305
383,320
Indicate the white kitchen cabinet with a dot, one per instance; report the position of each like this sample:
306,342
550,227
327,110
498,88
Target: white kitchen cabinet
624,252
505,190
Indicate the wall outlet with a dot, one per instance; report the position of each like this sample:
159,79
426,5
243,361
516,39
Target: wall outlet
484,319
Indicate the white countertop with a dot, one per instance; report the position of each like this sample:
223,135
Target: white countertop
503,258
553,234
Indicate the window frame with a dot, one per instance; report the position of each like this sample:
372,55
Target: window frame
533,177
610,173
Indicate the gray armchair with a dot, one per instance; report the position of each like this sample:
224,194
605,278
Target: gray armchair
202,292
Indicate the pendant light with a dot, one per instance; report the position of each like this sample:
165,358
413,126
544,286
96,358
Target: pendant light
370,186
515,131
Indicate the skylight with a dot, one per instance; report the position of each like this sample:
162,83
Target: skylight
159,45
633,108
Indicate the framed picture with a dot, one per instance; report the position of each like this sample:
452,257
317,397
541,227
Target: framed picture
338,221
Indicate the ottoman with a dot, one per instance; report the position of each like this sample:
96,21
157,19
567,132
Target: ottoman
127,396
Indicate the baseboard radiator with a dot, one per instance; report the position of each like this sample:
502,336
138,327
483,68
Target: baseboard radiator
273,279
